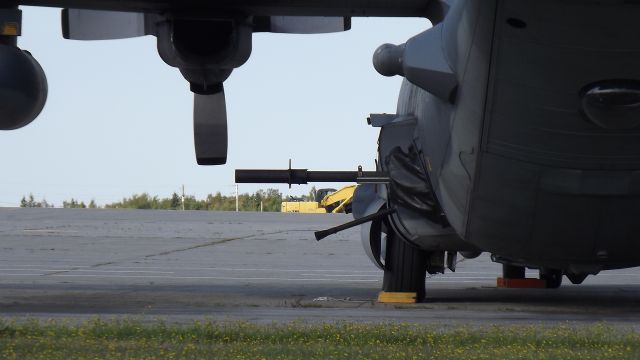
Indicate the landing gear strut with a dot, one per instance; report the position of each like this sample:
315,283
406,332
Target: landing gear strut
513,276
552,277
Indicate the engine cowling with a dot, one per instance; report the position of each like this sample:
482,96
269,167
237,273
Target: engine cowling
23,88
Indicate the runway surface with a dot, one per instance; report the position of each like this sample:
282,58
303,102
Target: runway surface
181,266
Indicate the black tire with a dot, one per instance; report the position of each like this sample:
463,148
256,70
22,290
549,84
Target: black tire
553,277
405,268
513,271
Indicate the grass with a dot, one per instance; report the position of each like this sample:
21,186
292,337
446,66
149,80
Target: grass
125,339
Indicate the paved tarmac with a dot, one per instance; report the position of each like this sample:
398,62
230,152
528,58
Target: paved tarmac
259,267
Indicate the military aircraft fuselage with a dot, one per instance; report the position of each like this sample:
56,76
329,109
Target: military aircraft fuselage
537,158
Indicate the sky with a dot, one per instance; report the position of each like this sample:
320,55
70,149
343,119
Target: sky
118,121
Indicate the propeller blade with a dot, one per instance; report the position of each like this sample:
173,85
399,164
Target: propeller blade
210,128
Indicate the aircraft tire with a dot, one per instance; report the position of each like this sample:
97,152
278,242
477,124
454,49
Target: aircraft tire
405,268
553,277
513,271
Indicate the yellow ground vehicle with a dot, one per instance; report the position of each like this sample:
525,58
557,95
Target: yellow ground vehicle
327,201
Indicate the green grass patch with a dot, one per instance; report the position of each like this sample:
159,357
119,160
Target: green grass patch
125,339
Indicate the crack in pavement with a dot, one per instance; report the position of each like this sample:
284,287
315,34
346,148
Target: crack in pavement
168,252
220,241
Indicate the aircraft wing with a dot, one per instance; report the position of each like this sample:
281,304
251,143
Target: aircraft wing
207,39
349,8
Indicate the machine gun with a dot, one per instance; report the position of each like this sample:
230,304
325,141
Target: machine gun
303,176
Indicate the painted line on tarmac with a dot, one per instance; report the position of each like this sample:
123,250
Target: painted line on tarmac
50,231
125,271
49,265
88,270
213,278
304,272
340,275
208,268
9,275
40,270
434,281
283,270
227,278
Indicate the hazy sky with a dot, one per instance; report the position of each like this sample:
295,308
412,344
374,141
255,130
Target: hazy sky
118,121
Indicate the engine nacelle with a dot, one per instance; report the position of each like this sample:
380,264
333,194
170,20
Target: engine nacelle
205,51
23,88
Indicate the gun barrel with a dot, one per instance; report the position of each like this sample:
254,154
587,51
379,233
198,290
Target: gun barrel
304,176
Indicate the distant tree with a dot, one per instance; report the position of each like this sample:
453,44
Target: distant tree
92,204
73,204
312,194
68,204
272,200
191,203
175,202
30,202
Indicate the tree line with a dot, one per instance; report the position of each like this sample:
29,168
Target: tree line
31,202
269,200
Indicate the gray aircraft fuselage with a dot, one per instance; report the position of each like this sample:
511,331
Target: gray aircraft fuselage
537,160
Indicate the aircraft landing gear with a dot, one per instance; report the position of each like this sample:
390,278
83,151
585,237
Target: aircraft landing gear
405,272
552,277
512,271
513,276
